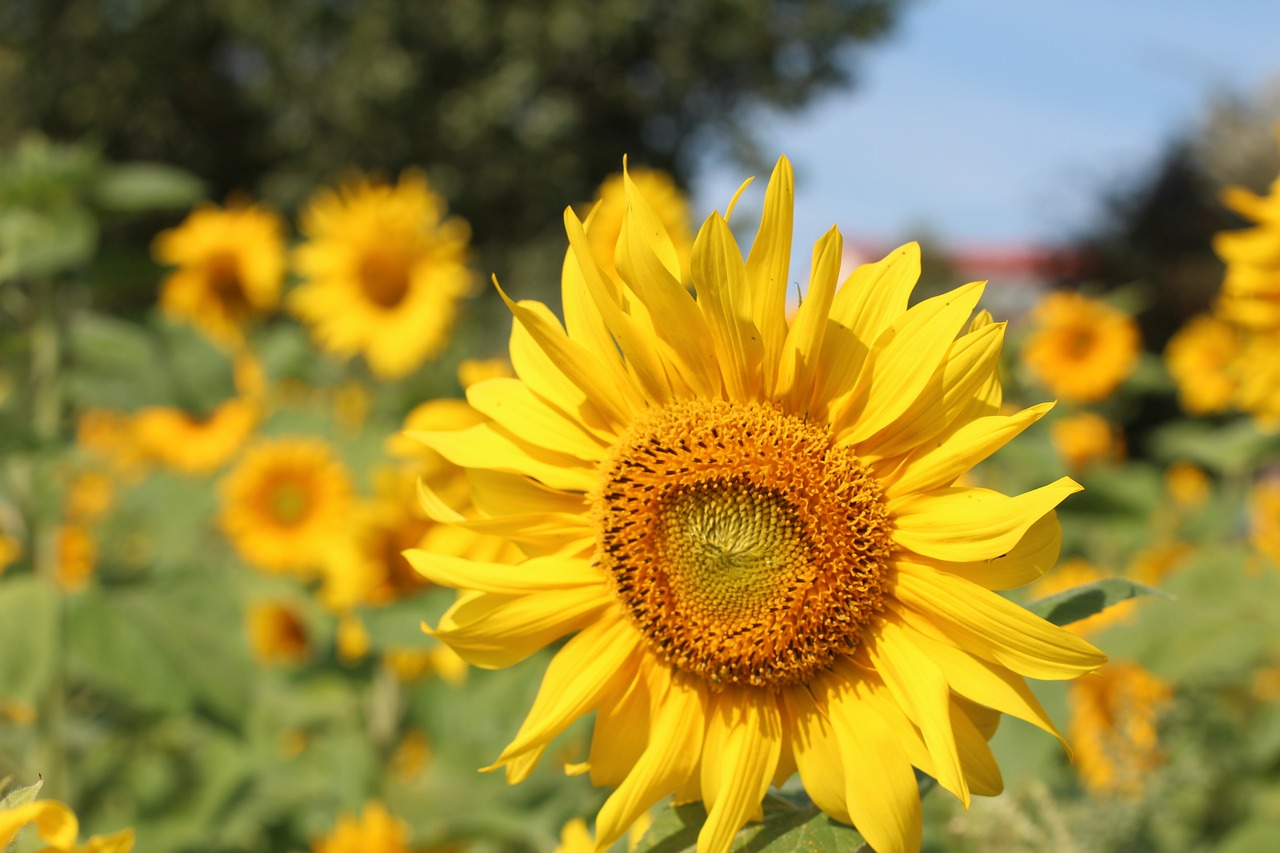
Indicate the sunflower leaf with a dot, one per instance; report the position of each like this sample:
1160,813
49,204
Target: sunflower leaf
1081,602
786,828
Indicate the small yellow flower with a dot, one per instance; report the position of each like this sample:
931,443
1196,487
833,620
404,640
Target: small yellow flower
1187,484
230,268
669,204
1113,728
411,757
89,496
1200,358
192,444
1086,439
77,556
1081,348
285,503
277,634
1264,518
109,436
353,640
383,271
374,831
414,663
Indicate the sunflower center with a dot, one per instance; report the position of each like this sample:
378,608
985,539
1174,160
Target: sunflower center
384,279
223,274
1079,342
289,503
746,546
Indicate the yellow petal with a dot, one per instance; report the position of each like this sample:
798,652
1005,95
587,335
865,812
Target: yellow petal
582,320
540,573
635,339
869,300
492,631
960,524
803,345
769,265
116,842
500,493
902,361
995,627
55,822
880,786
510,404
921,691
577,678
669,760
934,468
720,279
621,733
817,753
980,767
985,683
1036,553
489,446
744,740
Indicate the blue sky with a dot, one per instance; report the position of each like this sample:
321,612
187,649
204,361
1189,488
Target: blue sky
997,121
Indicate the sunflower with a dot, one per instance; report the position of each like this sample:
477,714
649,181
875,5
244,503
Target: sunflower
277,634
1251,288
667,201
194,444
1085,439
77,556
383,270
230,268
749,527
1201,358
1113,729
1082,348
285,503
375,831
1264,518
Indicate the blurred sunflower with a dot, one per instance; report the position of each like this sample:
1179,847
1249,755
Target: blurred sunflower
1086,439
664,196
230,268
285,503
1201,357
1251,288
1081,348
749,528
375,831
77,556
191,443
383,270
1259,379
277,634
1113,728
1264,518
1187,484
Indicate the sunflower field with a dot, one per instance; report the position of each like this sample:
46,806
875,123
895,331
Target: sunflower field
316,536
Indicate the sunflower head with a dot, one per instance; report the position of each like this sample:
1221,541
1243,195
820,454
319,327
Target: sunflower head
1202,358
285,502
383,271
1081,348
374,830
277,634
229,268
752,529
1114,727
194,444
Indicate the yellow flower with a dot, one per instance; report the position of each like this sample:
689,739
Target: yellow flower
1113,731
374,831
230,267
1251,288
192,444
285,503
1081,349
413,663
58,826
277,634
576,838
77,556
1259,372
1264,518
669,205
1187,484
1085,439
109,436
89,496
749,528
411,757
383,272
1200,359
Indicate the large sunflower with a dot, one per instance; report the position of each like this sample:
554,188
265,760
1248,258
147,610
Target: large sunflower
750,528
383,271
230,267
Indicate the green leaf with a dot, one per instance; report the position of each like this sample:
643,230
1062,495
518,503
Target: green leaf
1081,602
28,637
20,796
1226,448
41,243
137,187
786,828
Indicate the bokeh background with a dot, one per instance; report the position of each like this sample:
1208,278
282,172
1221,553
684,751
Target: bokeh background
207,633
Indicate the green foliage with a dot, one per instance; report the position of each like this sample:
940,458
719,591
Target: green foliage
787,828
1079,603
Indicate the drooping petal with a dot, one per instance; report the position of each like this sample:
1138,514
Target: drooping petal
1036,553
621,733
817,753
492,631
980,768
961,524
670,759
577,678
995,626
744,740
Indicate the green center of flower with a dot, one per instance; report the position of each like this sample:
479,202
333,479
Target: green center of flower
747,547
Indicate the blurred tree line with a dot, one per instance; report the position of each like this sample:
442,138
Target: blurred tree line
515,107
